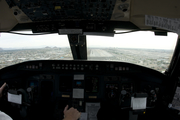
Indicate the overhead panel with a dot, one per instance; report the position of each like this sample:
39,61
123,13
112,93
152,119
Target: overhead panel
27,11
161,8
48,10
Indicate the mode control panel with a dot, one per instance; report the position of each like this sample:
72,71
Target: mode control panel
79,66
74,67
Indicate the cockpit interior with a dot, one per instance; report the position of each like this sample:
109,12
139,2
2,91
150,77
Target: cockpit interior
99,89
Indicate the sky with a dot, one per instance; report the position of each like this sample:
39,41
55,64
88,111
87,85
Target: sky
139,40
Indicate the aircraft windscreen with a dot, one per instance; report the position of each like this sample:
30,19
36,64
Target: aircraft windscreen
20,48
140,48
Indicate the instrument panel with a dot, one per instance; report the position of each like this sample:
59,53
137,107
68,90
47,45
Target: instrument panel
48,86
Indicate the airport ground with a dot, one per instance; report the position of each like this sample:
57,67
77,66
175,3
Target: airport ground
155,59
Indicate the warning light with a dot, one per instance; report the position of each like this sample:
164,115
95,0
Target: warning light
144,112
57,7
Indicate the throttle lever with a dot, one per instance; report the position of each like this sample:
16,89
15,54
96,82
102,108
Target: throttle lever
4,92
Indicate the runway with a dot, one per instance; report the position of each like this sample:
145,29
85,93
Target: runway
99,53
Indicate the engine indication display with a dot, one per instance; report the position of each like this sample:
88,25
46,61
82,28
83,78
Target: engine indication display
78,83
92,84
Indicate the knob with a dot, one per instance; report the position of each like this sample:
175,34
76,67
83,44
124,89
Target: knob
152,92
123,92
29,89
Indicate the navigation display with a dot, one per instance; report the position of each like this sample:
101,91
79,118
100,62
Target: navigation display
92,84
